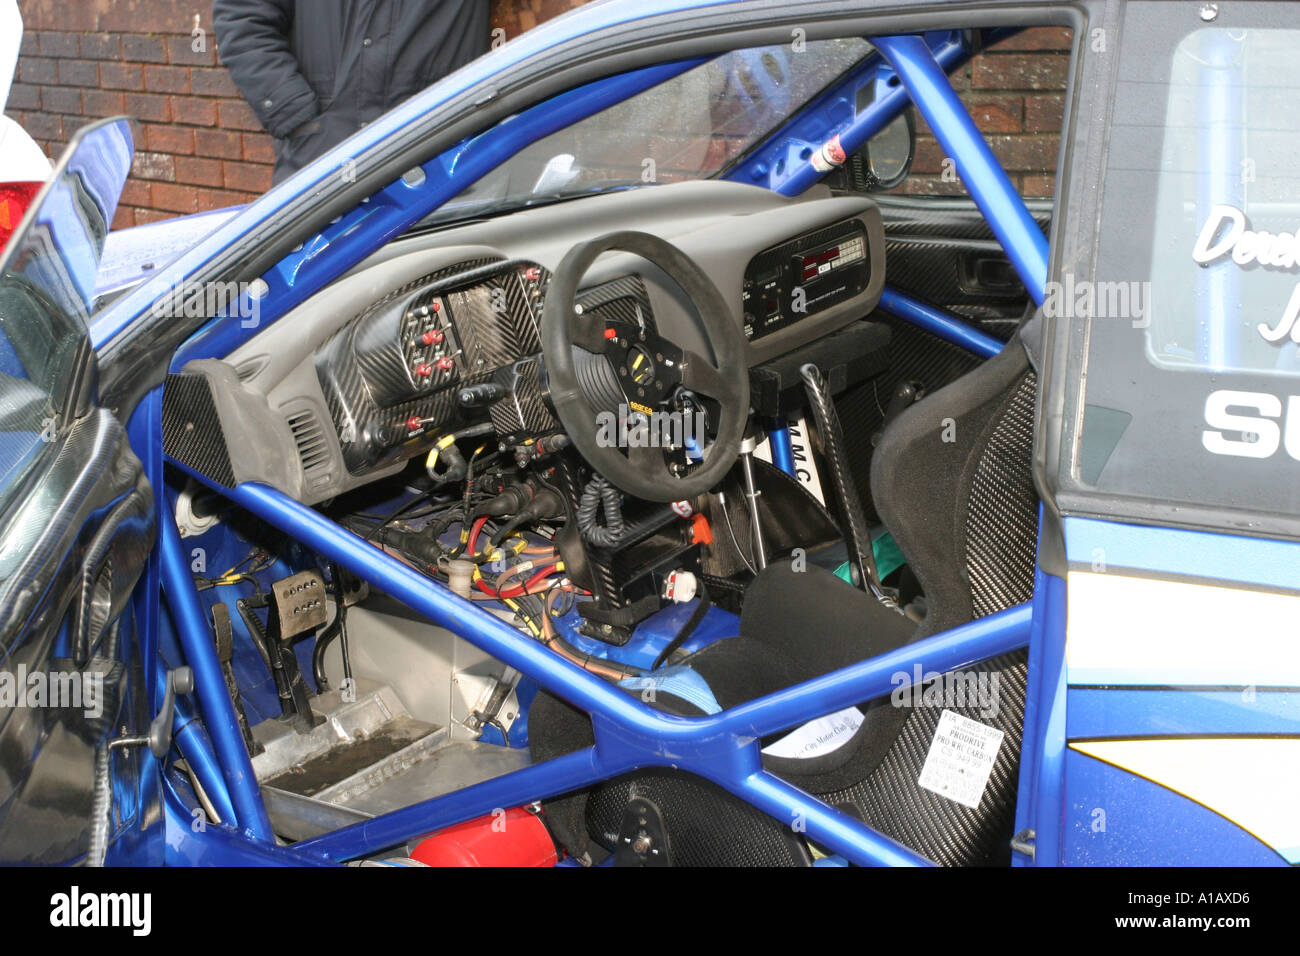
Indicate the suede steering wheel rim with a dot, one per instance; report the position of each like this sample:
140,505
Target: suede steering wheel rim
643,471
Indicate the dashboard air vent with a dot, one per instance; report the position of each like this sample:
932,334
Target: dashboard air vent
250,368
313,450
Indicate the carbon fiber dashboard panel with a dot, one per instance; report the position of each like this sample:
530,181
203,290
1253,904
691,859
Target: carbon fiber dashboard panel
623,301
225,431
399,361
499,318
525,412
192,432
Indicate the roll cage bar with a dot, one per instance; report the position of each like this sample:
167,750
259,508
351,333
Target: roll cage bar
629,734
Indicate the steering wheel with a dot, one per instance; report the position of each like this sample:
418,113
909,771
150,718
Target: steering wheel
593,365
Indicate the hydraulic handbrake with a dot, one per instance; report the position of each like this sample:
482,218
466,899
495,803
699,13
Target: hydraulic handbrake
863,561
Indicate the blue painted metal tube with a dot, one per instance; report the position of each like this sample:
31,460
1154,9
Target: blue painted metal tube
829,827
971,642
870,122
214,701
878,676
980,170
220,845
778,440
542,780
629,734
940,323
196,746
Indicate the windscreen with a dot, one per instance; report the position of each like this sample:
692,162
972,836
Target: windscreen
686,128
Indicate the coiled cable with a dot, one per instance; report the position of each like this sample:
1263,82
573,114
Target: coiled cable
600,495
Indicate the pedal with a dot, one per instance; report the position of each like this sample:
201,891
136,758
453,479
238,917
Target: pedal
296,606
299,604
225,637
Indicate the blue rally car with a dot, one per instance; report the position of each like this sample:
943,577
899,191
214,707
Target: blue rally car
612,455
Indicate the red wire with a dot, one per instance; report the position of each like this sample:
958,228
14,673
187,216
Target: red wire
519,590
472,545
539,577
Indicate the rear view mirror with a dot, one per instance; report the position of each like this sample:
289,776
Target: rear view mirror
888,155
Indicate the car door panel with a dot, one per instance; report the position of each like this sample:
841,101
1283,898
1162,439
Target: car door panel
76,543
77,527
942,250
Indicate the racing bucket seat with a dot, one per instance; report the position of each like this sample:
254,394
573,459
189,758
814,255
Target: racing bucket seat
951,479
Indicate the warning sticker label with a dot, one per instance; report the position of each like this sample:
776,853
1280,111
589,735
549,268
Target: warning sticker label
961,758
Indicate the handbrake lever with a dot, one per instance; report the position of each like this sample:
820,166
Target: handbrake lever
863,557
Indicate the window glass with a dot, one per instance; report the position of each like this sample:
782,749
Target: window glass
47,281
686,128
1186,335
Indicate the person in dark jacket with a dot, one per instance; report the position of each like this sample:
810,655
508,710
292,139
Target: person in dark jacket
316,71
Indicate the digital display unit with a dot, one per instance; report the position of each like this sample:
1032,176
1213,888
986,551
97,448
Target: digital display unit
804,276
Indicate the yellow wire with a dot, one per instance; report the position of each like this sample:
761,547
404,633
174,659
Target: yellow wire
438,446
522,616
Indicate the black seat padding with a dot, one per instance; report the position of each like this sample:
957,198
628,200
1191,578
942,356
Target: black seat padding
964,512
952,481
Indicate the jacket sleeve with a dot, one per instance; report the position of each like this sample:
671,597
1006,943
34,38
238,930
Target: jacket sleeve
253,41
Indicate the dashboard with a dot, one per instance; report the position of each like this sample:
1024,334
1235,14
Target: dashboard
441,332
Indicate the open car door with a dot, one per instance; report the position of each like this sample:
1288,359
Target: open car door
76,529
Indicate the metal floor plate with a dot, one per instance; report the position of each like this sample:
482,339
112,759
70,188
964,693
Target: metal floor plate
368,757
424,772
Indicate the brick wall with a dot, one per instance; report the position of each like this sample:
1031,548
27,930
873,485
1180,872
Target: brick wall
1015,93
200,147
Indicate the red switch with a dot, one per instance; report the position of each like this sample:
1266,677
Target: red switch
424,370
436,306
414,423
701,533
446,364
611,333
432,337
532,273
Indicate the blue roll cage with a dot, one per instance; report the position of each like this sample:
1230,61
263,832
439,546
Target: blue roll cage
629,735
